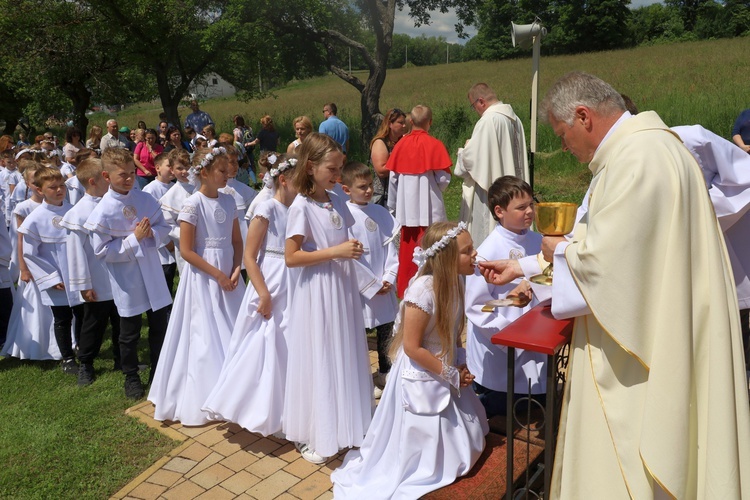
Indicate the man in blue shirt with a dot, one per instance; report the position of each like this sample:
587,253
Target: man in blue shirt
197,119
334,127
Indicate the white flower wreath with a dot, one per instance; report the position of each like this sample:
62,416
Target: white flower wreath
283,167
422,254
195,170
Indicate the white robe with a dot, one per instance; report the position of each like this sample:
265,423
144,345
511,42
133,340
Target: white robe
486,361
171,204
136,276
497,147
157,189
45,253
376,229
85,270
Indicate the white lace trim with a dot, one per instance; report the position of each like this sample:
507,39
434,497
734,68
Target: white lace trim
220,242
189,209
277,253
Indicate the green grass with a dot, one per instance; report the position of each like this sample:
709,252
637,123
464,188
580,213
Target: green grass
59,441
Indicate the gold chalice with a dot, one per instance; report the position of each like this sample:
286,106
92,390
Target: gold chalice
553,219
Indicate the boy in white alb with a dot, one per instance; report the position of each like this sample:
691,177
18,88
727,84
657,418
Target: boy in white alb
87,274
127,229
45,254
511,202
376,228
172,200
10,178
158,188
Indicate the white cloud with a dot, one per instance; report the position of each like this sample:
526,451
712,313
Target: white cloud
440,25
444,24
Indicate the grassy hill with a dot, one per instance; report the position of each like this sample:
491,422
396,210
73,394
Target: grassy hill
686,83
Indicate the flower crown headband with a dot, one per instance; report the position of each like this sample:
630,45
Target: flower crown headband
283,167
195,170
422,254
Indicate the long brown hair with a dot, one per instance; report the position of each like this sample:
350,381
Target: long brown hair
384,130
447,287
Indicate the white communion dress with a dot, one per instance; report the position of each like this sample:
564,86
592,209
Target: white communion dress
250,390
425,433
202,317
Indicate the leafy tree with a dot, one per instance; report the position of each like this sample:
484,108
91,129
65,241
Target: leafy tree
656,22
60,53
338,24
587,26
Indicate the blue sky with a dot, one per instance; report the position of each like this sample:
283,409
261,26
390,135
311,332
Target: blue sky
442,24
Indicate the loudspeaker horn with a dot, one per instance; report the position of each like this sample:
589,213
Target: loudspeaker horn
523,34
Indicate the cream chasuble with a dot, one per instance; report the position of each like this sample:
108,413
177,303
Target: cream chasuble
656,403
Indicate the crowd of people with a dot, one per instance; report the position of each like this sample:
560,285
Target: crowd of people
278,288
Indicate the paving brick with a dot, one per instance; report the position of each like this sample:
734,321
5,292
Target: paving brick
179,464
244,438
147,491
233,428
204,464
185,491
265,467
240,482
164,477
286,496
227,447
216,493
312,486
196,431
239,460
196,452
301,468
262,447
328,495
331,466
288,452
212,476
212,436
274,485
245,496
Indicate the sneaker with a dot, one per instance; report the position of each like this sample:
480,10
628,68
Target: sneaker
69,366
377,392
85,375
309,454
134,387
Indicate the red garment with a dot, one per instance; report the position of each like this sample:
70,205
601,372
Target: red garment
410,238
417,153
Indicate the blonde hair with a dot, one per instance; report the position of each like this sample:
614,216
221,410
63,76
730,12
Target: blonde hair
447,287
46,174
267,123
202,153
114,158
305,121
313,150
90,168
421,116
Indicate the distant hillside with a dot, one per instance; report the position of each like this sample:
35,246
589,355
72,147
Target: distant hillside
686,83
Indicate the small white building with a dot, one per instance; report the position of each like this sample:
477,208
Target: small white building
211,85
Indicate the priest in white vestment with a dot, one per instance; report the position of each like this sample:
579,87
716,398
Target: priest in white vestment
497,147
656,403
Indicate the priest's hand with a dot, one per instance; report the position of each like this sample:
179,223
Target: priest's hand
548,246
500,272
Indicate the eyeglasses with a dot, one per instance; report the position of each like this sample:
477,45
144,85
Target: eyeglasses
395,114
471,106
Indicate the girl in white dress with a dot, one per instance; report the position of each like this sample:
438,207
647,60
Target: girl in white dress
429,427
208,297
328,398
250,390
31,334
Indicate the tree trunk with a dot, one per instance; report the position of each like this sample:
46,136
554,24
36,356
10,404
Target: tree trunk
10,126
81,99
169,101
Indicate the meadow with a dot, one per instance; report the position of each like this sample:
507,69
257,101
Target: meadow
58,441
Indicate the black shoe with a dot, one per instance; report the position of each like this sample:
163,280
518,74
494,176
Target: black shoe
134,387
85,375
69,366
